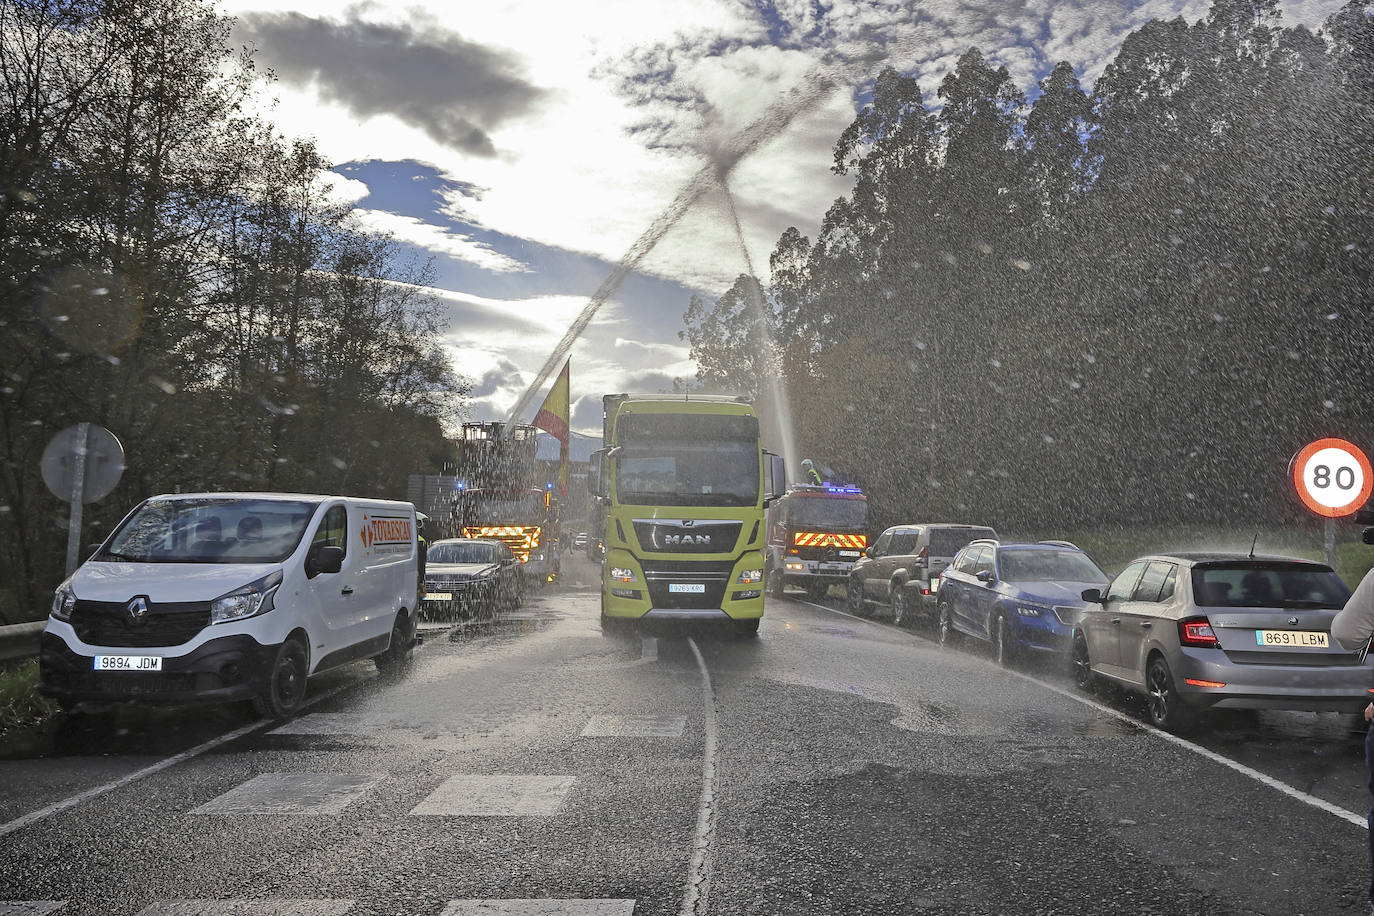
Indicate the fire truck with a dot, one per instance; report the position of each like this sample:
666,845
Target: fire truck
499,497
815,534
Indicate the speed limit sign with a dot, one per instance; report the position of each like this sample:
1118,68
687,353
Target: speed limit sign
1333,477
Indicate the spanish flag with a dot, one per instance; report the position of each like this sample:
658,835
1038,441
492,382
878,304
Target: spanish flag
553,417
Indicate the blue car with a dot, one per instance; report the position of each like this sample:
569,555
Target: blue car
1022,598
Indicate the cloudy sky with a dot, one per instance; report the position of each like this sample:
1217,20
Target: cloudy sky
527,145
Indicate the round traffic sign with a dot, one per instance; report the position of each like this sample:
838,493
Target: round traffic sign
94,452
1333,477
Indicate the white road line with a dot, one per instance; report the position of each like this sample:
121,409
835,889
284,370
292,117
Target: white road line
699,873
1264,779
35,816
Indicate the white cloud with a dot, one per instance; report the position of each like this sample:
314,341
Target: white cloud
437,239
342,189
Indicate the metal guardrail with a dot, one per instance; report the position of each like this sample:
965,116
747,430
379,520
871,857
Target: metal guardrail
20,641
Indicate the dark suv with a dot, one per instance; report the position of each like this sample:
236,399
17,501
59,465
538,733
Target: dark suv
901,570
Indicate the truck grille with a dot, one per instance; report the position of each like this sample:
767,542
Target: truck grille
108,623
687,535
713,577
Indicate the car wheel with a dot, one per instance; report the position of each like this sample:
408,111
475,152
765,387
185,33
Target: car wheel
1083,677
1002,649
854,596
396,660
900,615
1166,707
284,690
948,636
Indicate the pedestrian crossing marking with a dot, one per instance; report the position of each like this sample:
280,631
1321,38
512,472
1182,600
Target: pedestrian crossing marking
539,907
291,793
29,907
245,907
496,796
635,726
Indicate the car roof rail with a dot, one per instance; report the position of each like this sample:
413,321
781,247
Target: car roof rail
991,542
1062,544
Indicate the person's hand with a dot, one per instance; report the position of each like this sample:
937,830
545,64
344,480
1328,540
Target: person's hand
1369,712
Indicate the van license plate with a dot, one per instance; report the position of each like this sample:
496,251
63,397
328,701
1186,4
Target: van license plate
1295,639
128,663
691,588
438,596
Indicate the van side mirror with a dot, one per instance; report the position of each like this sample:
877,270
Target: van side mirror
323,558
1092,595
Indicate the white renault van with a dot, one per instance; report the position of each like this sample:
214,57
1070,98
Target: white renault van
216,597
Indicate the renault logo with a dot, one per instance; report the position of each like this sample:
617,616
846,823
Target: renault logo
137,609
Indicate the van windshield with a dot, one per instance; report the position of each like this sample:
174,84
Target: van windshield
212,530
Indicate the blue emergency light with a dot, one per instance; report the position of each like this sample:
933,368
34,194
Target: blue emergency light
460,484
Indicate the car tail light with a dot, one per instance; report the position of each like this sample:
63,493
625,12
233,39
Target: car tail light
923,558
1197,632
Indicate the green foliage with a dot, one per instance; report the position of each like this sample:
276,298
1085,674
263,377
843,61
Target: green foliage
20,703
1133,304
171,268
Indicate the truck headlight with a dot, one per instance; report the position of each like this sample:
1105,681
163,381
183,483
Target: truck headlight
750,577
63,602
622,574
253,599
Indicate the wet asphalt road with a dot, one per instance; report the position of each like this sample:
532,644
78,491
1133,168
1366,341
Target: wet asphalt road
837,765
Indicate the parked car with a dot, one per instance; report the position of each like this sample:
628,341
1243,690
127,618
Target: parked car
901,569
1022,598
217,597
580,541
1199,631
469,577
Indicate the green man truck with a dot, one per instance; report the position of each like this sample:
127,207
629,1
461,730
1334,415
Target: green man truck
681,485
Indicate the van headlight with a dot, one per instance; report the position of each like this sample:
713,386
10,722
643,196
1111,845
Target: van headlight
63,602
253,599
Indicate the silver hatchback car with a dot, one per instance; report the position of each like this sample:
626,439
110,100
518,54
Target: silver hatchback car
1197,631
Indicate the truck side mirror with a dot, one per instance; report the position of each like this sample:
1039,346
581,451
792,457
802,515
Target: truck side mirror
775,479
595,467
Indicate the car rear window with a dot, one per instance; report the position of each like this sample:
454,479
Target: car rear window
1251,584
946,542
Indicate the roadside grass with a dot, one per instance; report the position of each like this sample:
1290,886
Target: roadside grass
20,702
1114,547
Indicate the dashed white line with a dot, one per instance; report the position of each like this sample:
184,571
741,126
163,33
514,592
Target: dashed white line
699,872
1262,778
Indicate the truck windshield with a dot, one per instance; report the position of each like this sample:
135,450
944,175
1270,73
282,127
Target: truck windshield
210,531
688,460
822,512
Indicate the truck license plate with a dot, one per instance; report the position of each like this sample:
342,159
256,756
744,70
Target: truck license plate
692,588
438,596
849,553
128,663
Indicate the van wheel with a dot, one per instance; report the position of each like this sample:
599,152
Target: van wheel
396,660
285,688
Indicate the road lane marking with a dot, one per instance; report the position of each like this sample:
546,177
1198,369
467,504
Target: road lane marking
699,872
1359,820
29,907
292,793
539,907
35,816
471,795
613,726
242,906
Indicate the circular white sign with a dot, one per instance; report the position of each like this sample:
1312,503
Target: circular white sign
1333,477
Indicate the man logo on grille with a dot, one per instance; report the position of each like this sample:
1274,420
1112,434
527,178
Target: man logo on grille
137,609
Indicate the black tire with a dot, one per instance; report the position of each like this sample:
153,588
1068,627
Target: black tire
901,613
854,596
1081,664
747,629
776,582
1162,700
395,661
815,591
945,632
1003,651
284,691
